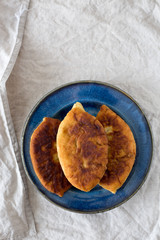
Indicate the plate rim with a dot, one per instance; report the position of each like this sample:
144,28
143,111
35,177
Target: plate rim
32,111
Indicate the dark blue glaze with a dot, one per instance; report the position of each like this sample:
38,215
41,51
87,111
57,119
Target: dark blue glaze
92,95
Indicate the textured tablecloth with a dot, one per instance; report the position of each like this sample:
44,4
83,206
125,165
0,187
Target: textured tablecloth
116,42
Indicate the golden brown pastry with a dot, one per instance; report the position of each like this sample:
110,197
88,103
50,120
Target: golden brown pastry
82,148
121,149
43,152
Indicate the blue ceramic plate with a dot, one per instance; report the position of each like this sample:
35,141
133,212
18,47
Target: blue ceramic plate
92,95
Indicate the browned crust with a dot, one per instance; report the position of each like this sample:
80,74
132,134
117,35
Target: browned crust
82,149
121,151
43,152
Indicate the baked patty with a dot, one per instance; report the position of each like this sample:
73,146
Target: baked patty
121,149
43,152
82,148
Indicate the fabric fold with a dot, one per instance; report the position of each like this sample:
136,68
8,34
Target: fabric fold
16,219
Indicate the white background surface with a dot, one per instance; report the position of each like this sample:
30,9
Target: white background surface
111,41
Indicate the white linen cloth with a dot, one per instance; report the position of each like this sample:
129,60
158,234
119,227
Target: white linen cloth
16,218
64,41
